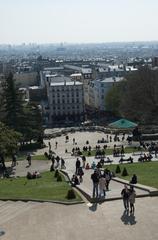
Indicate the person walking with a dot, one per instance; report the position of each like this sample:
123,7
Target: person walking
80,173
95,179
83,161
78,164
14,160
29,159
132,196
125,197
102,186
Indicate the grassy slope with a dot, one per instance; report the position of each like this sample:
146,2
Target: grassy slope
147,173
44,188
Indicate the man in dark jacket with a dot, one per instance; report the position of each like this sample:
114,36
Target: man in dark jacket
95,179
125,197
78,164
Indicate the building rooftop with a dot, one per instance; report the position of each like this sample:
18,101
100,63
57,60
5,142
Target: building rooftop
35,87
111,79
65,83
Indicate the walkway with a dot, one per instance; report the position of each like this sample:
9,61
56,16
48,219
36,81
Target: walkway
47,221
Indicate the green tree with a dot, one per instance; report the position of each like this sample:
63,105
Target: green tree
113,97
12,103
23,117
31,128
136,97
8,140
140,99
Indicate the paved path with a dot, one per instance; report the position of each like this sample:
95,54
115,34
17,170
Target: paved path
115,188
80,138
47,221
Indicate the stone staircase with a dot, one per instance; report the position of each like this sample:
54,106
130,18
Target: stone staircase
11,209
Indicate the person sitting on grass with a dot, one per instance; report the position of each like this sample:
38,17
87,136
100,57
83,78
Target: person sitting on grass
87,166
74,180
134,179
33,175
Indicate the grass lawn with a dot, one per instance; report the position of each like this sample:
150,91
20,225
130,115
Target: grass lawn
23,157
44,188
146,172
109,151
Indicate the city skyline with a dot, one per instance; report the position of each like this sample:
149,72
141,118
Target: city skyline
81,21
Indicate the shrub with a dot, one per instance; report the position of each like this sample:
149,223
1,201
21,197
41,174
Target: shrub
118,170
59,178
124,172
30,146
89,153
56,173
71,194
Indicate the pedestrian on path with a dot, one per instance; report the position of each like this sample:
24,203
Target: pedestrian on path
125,196
102,186
80,173
132,196
83,161
95,179
78,164
29,159
14,160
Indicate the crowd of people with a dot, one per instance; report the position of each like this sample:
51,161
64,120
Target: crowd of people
101,180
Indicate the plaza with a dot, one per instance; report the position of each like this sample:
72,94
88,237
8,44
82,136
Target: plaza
44,220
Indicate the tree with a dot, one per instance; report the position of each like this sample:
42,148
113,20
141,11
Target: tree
8,140
113,97
31,128
136,98
18,115
140,100
12,103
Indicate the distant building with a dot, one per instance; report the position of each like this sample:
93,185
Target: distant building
98,90
65,101
26,79
107,71
36,94
155,62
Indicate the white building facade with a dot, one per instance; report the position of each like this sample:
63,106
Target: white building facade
98,90
65,101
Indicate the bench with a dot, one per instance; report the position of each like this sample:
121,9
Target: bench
130,159
145,159
108,161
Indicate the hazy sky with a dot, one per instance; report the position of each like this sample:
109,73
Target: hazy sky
51,21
